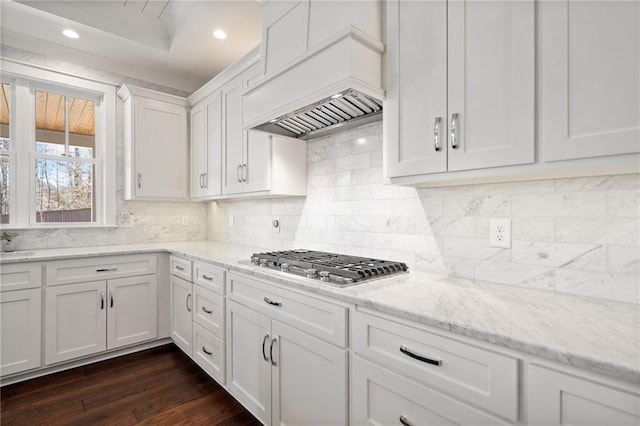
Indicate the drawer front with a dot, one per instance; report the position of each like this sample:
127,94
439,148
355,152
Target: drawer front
483,378
180,268
317,317
99,268
561,399
208,310
20,276
380,397
209,276
208,353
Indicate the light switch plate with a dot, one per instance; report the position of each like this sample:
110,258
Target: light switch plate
500,233
230,221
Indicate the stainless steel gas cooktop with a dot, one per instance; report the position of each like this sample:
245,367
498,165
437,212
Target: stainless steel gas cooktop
337,269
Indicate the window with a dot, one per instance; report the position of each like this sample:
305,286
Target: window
57,149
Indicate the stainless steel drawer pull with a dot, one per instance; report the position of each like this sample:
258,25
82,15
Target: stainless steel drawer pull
106,270
206,311
207,277
436,133
264,341
206,351
273,361
102,300
271,302
414,355
188,302
179,268
404,421
453,130
111,298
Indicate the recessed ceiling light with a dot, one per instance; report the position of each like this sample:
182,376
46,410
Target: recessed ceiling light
219,34
70,33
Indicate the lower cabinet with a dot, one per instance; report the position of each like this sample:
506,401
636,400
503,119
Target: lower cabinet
283,375
181,328
20,330
87,318
557,398
380,397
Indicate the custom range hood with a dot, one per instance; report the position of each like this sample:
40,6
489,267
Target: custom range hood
331,84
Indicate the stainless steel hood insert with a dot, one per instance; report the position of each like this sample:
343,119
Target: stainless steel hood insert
341,111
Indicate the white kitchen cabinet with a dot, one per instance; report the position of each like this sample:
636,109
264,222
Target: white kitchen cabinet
206,147
156,145
558,398
91,317
460,86
380,397
233,148
209,352
20,329
181,328
282,374
590,90
76,321
132,316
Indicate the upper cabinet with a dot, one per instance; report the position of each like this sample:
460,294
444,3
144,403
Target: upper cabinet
460,85
206,147
156,145
590,94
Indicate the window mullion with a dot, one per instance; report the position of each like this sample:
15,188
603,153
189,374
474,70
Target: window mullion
23,143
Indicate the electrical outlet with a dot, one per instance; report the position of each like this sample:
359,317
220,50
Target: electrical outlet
276,224
230,221
500,233
185,220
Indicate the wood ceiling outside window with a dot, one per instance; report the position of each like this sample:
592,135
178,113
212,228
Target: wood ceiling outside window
50,112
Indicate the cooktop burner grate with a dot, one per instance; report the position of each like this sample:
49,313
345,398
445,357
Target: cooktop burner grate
343,269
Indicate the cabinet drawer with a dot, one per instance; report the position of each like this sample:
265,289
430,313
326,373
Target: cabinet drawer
208,310
315,316
481,377
380,397
556,398
99,268
208,353
20,276
180,267
209,276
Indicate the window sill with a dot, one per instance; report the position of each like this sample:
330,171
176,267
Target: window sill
54,226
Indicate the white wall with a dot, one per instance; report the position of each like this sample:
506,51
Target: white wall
575,236
152,221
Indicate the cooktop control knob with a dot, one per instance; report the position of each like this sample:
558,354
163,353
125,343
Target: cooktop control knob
263,263
311,273
324,276
284,267
255,260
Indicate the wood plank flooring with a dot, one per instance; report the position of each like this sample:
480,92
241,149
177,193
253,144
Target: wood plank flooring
156,386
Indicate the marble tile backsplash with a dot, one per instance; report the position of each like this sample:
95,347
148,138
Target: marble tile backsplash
578,235
152,221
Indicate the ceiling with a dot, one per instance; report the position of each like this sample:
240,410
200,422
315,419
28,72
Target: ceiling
168,42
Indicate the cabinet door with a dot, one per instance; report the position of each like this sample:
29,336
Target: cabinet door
380,397
198,150
590,53
132,315
76,320
180,313
309,384
257,159
233,137
213,173
416,87
284,32
491,76
248,359
161,146
20,319
561,399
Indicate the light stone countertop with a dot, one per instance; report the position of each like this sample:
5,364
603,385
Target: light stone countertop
594,334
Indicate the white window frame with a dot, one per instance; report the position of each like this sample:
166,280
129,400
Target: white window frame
25,80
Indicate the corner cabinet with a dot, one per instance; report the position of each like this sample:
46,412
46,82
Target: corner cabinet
156,145
460,85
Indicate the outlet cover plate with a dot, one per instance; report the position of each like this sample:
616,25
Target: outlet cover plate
500,233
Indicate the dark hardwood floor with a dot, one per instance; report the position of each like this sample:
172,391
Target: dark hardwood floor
156,386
